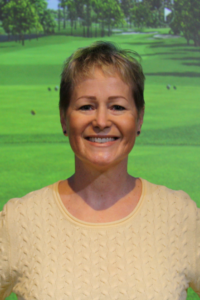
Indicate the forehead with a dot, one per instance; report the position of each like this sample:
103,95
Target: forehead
107,70
100,74
101,84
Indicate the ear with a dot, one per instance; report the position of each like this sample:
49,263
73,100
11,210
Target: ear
140,119
63,122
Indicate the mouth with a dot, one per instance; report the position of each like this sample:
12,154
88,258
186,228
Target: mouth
101,140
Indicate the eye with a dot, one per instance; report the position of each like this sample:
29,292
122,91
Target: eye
86,107
118,107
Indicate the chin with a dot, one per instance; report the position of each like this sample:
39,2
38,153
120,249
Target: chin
103,164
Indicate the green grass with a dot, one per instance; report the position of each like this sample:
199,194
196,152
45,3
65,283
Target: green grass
33,150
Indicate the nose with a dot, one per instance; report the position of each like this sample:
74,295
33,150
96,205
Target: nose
101,118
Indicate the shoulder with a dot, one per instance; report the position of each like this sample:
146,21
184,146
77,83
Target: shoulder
179,219
31,202
164,193
175,203
28,215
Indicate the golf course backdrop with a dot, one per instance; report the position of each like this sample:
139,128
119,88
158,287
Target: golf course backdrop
33,150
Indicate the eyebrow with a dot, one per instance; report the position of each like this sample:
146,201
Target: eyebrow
94,98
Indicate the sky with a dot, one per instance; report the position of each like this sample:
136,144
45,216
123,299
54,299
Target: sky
53,4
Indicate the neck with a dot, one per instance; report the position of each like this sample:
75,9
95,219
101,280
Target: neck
101,189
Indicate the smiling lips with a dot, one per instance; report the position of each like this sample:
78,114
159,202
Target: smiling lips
101,139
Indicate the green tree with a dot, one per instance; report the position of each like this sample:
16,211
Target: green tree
47,21
155,4
63,4
146,13
141,14
46,17
21,18
186,20
86,5
175,25
59,16
39,5
2,4
83,10
54,13
71,13
126,6
79,4
109,14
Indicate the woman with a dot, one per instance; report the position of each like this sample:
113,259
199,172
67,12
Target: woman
101,234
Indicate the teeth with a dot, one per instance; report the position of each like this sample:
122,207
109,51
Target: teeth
101,140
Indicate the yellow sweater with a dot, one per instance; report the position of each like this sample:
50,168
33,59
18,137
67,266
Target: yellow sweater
47,254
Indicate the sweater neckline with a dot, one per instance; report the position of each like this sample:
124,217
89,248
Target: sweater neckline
77,221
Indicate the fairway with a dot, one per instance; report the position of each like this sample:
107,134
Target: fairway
33,151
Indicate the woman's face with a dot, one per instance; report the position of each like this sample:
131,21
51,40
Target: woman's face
102,120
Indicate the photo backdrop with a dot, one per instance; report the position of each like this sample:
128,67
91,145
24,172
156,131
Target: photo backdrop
33,151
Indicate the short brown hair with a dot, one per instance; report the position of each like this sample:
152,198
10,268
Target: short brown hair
110,58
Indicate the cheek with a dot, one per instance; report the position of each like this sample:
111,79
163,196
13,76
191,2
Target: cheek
73,129
129,125
74,124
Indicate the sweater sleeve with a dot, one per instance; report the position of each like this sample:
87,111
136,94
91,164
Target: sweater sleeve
5,274
195,251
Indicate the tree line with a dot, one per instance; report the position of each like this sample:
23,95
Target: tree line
20,17
107,14
99,17
186,20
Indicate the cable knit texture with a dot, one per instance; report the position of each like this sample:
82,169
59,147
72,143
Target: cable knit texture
152,254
